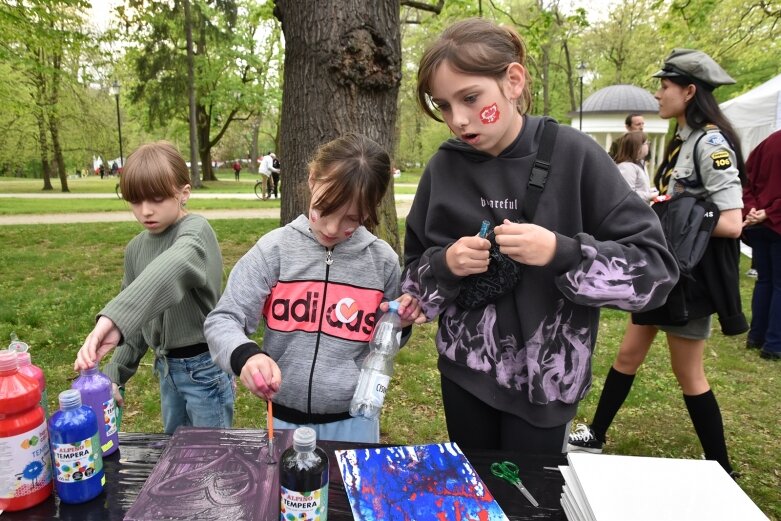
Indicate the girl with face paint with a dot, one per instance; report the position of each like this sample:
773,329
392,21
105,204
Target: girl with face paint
319,284
513,370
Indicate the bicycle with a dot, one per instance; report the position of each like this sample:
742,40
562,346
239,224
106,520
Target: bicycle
262,188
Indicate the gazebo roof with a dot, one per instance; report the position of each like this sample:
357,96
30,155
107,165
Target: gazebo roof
621,98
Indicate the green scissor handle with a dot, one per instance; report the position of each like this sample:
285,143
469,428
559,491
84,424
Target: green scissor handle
508,471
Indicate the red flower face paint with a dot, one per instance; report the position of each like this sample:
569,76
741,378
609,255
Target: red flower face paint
489,114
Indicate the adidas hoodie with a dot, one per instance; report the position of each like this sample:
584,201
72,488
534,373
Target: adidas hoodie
319,307
529,352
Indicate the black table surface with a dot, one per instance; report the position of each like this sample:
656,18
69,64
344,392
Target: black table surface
127,469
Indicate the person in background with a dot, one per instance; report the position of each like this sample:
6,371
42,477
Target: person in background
712,171
173,276
762,231
317,283
276,169
634,122
266,169
236,169
513,369
632,148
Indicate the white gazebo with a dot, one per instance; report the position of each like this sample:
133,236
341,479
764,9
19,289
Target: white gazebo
604,113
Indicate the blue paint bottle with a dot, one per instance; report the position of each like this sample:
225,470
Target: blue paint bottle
75,448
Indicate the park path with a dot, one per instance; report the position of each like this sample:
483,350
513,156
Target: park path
403,203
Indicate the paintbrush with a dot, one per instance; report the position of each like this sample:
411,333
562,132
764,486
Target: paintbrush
270,427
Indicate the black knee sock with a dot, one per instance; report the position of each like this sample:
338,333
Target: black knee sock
706,417
617,387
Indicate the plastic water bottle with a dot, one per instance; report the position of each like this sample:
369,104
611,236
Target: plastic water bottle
377,368
25,462
303,478
78,460
97,393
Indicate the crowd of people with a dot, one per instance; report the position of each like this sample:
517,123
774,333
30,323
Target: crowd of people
514,362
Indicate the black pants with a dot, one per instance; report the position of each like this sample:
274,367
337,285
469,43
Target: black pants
273,181
473,424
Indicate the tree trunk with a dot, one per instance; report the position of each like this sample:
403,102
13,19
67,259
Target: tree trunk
195,179
342,73
43,146
204,143
54,123
253,145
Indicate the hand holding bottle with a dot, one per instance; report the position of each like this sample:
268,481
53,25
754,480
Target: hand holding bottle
103,338
410,311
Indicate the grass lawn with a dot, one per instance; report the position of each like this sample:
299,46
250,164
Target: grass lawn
406,184
56,278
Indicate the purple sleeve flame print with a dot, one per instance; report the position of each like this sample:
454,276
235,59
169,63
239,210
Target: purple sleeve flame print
553,364
420,283
600,280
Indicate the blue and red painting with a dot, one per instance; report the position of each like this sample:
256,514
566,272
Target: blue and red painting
434,482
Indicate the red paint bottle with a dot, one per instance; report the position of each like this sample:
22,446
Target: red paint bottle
25,460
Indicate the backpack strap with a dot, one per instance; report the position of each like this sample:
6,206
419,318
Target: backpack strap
541,168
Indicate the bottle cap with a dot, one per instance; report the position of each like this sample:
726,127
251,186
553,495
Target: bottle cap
304,439
8,361
18,346
70,399
90,370
393,306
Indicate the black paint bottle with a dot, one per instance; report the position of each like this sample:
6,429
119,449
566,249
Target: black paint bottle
303,479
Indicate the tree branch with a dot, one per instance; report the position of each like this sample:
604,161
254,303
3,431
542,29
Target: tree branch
424,6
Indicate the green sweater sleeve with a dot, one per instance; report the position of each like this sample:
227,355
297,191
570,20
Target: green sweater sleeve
172,281
162,283
124,362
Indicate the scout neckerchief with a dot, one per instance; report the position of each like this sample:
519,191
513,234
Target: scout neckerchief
663,180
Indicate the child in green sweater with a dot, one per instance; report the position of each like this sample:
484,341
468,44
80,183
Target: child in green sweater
172,280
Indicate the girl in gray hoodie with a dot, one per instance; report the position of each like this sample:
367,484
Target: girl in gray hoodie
318,284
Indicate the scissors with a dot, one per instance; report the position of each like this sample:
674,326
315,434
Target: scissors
508,471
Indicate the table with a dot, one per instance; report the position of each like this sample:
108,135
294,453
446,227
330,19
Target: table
127,469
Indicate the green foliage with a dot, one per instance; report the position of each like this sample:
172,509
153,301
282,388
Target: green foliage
231,40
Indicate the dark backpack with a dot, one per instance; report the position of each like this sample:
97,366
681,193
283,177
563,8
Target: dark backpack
687,222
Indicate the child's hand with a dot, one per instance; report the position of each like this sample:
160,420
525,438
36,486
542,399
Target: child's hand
99,342
117,395
526,243
468,255
261,376
410,311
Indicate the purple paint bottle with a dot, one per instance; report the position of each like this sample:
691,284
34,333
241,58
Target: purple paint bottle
97,394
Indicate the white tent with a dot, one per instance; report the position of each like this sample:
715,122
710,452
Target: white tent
755,114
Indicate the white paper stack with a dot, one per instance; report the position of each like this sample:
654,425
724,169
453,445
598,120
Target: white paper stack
600,487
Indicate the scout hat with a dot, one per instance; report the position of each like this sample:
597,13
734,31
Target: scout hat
695,65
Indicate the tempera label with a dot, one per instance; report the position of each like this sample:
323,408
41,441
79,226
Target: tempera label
303,506
110,416
78,461
25,463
